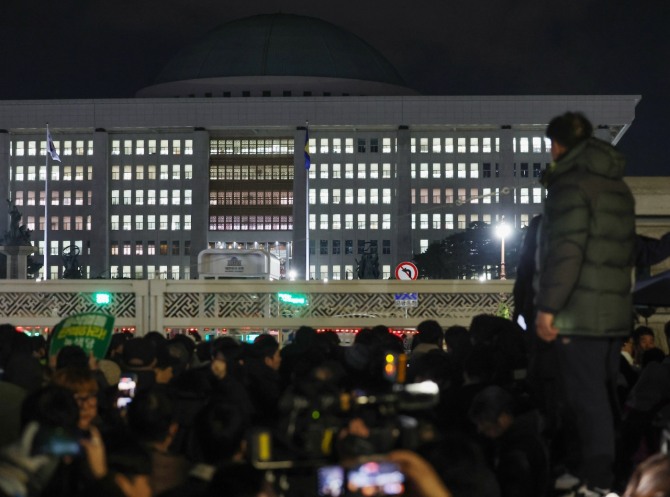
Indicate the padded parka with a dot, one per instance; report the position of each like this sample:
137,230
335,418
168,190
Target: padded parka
586,243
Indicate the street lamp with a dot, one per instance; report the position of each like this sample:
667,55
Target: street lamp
503,230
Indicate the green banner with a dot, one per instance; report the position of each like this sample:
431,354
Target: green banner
91,331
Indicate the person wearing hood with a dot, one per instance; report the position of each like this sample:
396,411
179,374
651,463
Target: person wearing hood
585,260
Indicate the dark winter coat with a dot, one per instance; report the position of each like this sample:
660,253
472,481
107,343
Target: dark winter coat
587,239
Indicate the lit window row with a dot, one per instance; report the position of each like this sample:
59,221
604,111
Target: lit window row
451,170
351,171
250,223
253,173
351,196
476,145
150,272
151,147
436,222
139,247
251,198
259,146
359,221
335,272
64,223
56,247
58,173
165,197
66,197
20,148
447,221
450,145
533,144
152,172
351,145
473,195
68,223
139,222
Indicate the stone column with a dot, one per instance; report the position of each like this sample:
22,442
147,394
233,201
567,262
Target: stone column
17,260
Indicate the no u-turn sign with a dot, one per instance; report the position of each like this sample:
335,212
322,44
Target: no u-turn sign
406,271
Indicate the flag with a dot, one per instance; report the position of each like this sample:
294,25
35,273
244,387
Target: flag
308,161
51,148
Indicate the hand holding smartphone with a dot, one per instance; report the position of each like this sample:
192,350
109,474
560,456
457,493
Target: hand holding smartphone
127,385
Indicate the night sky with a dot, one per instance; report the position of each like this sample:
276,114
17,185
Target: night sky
91,49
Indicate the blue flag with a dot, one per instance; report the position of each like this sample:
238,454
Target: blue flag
308,161
51,148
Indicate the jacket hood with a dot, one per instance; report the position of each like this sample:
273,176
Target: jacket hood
593,155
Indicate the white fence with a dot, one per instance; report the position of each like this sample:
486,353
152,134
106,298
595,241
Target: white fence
239,305
147,305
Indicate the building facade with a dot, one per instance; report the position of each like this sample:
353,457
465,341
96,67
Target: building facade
145,184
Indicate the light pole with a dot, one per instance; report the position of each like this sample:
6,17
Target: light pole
503,231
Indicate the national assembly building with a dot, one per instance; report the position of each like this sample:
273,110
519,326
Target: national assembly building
279,132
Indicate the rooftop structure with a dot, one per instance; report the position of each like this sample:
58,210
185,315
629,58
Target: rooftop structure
145,184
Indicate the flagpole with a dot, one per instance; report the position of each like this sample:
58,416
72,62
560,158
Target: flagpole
308,166
46,207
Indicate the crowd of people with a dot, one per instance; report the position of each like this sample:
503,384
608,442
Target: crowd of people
225,418
576,405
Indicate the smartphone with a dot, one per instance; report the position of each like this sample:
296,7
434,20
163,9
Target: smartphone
56,442
127,385
330,481
368,479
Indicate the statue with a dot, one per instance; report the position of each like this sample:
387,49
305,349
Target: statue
17,234
15,248
70,256
368,267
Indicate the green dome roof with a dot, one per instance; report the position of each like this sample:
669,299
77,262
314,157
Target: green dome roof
280,45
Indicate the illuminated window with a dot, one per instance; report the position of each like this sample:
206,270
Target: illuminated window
361,222
461,170
361,195
523,145
361,171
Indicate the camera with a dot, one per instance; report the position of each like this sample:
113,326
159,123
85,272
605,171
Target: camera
127,385
308,427
371,478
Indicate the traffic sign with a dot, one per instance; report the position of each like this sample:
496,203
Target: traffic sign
406,299
406,271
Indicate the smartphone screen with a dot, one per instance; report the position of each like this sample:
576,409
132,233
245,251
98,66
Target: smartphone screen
370,479
127,386
330,481
375,478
